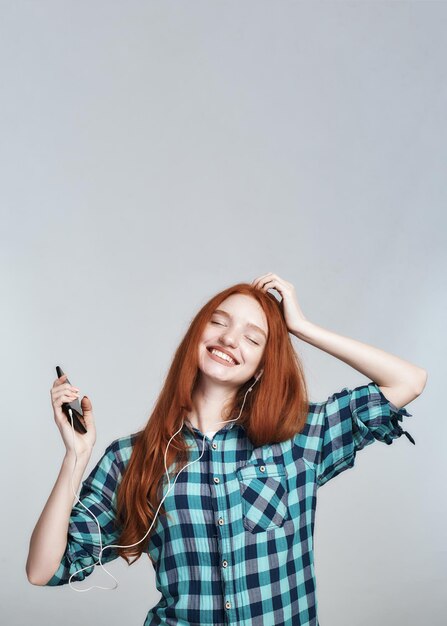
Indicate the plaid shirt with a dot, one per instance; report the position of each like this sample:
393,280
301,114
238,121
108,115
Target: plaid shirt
237,547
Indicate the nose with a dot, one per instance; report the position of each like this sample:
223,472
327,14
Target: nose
228,339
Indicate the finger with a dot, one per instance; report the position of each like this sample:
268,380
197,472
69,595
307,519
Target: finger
70,387
55,392
86,406
61,390
261,276
64,396
261,279
269,283
60,381
270,278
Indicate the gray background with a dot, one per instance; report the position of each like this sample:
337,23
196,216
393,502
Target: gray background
153,153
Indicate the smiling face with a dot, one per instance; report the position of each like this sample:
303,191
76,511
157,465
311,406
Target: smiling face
237,330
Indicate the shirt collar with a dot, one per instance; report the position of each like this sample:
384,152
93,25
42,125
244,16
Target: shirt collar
225,427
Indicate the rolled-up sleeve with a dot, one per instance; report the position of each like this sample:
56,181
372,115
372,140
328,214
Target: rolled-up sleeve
98,495
351,420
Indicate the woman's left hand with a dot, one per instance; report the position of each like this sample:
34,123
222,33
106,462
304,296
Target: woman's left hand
292,312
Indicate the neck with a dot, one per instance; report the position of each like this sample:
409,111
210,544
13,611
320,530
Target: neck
209,403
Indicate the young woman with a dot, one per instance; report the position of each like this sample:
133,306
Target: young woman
233,540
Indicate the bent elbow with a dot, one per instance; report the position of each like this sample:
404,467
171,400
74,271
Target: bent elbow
35,580
422,382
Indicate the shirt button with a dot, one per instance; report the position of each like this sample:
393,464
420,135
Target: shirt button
262,468
224,563
220,521
214,445
227,605
216,480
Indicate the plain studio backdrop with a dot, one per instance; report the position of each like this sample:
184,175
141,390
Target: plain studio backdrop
153,153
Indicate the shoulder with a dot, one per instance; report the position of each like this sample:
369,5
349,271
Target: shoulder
120,450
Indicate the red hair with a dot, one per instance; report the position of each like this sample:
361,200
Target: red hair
274,411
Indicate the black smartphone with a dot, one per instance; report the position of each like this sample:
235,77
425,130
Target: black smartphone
72,408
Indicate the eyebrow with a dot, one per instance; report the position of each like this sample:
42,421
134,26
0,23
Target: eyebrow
249,324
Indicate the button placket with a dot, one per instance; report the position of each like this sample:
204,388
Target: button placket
221,522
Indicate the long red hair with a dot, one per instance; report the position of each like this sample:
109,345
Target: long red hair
274,411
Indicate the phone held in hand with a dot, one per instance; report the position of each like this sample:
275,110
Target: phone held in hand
72,409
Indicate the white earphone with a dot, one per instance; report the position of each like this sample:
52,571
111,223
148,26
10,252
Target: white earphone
257,377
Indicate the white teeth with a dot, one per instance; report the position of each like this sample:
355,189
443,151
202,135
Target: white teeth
223,356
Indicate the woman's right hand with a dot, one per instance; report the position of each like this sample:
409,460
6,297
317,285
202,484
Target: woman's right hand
61,392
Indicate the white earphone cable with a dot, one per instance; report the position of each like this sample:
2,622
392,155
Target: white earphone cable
148,531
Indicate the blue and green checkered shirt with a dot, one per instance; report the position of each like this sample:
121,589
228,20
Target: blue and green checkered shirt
237,545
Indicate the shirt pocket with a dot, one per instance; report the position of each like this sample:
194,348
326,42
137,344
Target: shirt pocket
264,496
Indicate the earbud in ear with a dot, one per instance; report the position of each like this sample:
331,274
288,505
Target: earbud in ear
259,374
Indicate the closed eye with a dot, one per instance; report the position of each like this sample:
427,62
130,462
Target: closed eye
249,338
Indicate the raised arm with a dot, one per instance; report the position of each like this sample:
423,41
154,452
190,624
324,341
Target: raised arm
399,381
49,538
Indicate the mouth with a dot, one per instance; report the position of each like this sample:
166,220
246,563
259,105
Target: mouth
221,356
